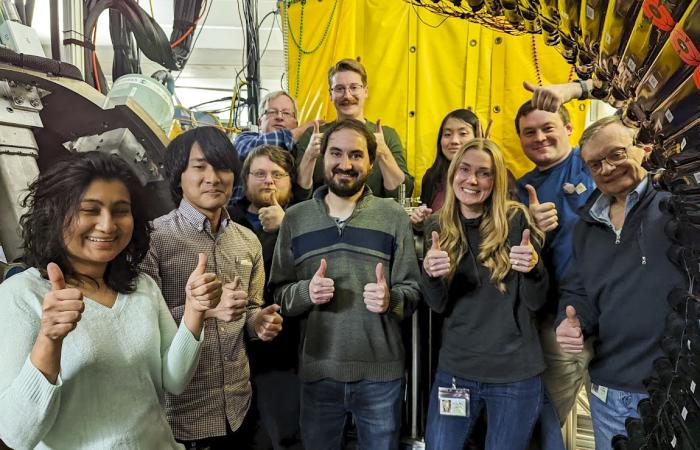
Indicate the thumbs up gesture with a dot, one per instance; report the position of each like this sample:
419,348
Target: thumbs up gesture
299,131
62,307
314,147
321,288
545,214
268,323
271,216
382,149
551,97
569,334
376,295
233,302
436,262
203,290
523,257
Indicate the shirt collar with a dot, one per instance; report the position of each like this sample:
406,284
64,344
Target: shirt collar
199,220
600,210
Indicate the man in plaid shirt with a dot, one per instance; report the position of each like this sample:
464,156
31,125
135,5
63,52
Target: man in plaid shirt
201,166
278,125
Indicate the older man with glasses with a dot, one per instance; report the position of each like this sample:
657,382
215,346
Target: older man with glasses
347,81
278,125
616,285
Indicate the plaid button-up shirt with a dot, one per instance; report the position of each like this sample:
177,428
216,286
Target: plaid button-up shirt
220,389
248,140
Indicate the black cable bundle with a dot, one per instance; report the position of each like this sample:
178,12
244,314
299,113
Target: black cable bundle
250,13
186,15
126,53
25,11
149,36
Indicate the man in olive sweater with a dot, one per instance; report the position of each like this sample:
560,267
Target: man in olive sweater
345,262
347,82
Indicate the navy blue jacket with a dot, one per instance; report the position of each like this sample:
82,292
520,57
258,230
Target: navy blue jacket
619,290
549,185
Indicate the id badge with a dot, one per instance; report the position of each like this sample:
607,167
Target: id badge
600,391
454,401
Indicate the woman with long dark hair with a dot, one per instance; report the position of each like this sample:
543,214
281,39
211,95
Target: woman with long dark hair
456,129
88,344
483,274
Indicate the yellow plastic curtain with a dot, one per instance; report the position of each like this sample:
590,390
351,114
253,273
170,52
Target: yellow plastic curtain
420,67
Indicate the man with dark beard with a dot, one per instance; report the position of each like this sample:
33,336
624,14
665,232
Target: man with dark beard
267,175
345,263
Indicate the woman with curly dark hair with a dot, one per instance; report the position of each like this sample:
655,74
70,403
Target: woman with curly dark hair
88,344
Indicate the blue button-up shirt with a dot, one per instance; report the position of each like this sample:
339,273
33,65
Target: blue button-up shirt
600,211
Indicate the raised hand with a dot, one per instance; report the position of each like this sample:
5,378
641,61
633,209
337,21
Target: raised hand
233,302
62,307
376,295
523,257
271,216
545,214
436,262
268,323
569,334
419,215
321,288
203,290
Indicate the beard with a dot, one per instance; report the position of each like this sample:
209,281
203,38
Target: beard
262,198
348,188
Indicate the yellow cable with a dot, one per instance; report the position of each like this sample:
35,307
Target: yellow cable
234,96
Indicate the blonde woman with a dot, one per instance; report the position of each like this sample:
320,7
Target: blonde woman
483,273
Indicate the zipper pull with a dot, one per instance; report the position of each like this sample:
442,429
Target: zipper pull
644,260
454,383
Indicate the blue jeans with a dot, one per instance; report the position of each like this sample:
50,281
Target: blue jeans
375,408
547,433
511,412
609,417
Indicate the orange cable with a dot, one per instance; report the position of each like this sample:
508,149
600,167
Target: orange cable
190,29
94,59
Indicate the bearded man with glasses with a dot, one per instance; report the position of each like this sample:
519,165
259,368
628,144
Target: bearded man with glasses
616,285
347,81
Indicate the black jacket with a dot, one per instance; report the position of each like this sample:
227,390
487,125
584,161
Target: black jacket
619,290
282,352
488,336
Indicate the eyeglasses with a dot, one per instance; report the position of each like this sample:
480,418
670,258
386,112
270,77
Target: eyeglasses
614,158
354,89
278,112
262,175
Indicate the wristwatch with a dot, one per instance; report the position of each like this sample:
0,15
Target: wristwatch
585,92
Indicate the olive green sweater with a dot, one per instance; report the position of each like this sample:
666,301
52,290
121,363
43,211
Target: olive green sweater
342,339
